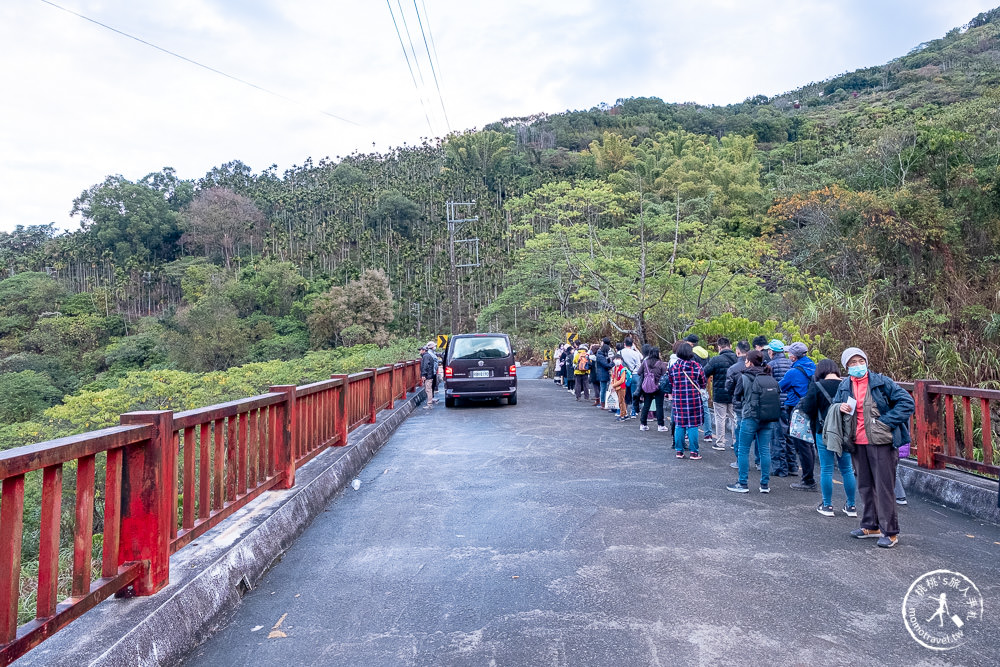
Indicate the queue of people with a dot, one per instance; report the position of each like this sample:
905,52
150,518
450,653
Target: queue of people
769,398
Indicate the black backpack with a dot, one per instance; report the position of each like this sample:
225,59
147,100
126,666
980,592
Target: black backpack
762,398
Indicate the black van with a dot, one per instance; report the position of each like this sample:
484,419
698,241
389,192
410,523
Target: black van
479,366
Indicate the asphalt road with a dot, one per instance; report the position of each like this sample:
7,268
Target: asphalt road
546,534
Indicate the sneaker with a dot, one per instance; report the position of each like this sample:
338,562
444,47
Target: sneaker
734,464
719,448
708,438
695,456
862,533
850,510
802,486
779,474
738,488
643,427
888,541
619,419
679,455
793,473
825,510
633,416
901,501
757,466
662,429
765,489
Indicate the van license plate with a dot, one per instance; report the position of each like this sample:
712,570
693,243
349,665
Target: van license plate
479,374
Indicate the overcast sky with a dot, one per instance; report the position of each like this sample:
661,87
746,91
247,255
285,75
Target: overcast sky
79,102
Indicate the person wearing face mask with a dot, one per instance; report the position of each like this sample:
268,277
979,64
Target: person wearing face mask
881,410
619,384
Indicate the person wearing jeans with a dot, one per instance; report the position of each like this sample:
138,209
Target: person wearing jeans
815,405
751,427
687,387
753,430
828,461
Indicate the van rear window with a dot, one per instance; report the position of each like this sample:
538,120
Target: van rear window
480,348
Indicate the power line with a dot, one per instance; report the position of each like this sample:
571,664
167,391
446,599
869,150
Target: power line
195,62
431,61
413,51
408,65
430,32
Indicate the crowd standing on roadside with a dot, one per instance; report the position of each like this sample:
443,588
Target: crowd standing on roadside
769,398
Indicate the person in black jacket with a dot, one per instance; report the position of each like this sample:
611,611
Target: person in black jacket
815,405
716,368
427,372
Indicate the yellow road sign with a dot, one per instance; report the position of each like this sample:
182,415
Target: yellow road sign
572,338
442,341
547,355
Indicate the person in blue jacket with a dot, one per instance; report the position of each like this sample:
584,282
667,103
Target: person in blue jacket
794,384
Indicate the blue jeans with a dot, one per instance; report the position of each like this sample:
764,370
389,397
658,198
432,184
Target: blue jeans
692,436
708,415
604,390
749,430
827,461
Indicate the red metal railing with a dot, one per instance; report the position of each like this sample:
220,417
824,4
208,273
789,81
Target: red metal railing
961,432
169,478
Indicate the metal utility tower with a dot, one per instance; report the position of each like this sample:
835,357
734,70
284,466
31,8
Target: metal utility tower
457,212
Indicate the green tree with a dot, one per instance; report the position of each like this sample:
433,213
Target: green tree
25,395
360,311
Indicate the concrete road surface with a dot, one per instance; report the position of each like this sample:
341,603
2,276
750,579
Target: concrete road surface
546,534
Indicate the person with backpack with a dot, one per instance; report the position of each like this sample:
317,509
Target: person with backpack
733,375
602,368
880,412
782,452
687,390
428,369
620,379
815,405
758,391
717,368
794,386
652,370
581,372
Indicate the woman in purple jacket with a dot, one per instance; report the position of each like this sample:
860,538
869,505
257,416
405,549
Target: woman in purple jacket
687,380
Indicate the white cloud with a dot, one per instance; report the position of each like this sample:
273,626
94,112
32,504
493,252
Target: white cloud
80,102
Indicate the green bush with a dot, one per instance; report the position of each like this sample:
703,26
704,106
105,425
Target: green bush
25,395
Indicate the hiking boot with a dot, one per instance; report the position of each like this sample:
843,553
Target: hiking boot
887,541
863,533
738,488
719,448
850,510
695,456
825,510
643,427
802,486
765,489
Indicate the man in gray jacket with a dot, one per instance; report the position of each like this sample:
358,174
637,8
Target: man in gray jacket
428,369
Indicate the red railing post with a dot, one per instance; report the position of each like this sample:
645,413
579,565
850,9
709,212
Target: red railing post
284,451
926,425
372,395
402,380
146,508
342,417
392,387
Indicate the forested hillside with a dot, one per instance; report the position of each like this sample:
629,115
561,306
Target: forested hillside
863,209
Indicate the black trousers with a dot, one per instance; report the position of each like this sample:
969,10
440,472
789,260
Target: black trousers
875,469
647,400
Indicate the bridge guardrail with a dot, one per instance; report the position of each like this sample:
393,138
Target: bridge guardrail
169,478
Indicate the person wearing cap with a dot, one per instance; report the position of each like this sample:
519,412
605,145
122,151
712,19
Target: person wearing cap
794,385
428,369
782,452
882,411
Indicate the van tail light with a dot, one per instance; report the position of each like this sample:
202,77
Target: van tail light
448,372
513,371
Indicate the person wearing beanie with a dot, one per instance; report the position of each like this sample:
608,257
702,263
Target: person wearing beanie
701,356
881,410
